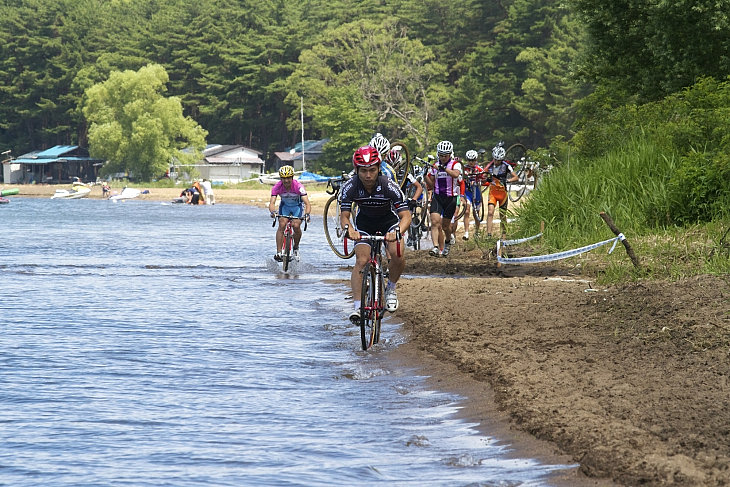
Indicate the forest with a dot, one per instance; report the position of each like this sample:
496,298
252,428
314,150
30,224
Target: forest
474,72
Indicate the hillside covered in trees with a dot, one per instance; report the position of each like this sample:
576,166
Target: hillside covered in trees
473,72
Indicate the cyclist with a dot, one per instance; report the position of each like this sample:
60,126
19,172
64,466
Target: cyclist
294,202
382,208
474,176
383,146
444,178
499,172
412,187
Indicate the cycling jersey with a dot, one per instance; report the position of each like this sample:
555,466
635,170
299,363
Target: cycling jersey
499,170
387,170
291,199
444,184
377,211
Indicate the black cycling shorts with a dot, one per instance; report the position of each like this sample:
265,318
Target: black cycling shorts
443,205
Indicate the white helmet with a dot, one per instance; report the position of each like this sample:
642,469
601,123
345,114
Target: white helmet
380,143
471,155
445,147
498,153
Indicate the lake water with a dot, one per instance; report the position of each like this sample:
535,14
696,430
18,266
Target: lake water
149,344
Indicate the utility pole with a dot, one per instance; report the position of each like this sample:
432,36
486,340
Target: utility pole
301,110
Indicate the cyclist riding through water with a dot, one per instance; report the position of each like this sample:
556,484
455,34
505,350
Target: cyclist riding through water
474,179
382,208
444,178
499,172
294,202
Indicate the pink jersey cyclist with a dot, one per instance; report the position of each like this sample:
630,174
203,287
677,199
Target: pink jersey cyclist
291,197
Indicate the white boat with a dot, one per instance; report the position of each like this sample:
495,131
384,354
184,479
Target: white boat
77,191
128,194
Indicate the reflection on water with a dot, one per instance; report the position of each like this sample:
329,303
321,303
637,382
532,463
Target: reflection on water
149,344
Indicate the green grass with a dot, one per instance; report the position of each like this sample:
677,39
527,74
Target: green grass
631,185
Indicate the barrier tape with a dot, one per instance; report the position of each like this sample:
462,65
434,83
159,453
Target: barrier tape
521,240
556,256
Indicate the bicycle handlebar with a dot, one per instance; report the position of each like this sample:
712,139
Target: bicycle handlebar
373,238
305,218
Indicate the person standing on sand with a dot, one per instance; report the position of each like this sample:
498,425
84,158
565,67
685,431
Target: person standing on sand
208,192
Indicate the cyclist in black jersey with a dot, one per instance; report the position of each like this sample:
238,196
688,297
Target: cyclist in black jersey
382,208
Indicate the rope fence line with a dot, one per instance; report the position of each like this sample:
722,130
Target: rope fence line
551,257
568,253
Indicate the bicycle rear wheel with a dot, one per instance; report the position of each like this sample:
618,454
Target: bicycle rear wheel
517,157
332,229
368,307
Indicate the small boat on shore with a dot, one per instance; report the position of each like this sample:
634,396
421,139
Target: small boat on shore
77,191
4,200
128,194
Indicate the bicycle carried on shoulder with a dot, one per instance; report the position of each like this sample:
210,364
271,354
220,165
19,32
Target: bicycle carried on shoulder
288,249
372,293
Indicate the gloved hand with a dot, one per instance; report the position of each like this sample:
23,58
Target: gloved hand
306,217
272,214
412,204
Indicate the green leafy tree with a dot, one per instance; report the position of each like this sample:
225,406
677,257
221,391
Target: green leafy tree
520,84
137,129
391,73
655,48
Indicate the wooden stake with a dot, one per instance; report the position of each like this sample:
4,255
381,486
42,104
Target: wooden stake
616,231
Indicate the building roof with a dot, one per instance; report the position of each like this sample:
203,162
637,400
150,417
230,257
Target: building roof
58,153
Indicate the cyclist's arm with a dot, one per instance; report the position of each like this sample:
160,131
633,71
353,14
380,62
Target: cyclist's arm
272,204
307,204
352,234
405,220
419,188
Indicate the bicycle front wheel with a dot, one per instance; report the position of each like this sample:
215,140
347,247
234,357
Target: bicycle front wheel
368,307
478,208
288,244
332,228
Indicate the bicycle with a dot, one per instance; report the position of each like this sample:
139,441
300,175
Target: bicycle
332,229
516,156
476,190
423,215
288,248
372,294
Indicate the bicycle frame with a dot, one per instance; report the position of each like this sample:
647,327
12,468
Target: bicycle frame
372,292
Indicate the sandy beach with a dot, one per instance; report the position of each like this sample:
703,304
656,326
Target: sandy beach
628,381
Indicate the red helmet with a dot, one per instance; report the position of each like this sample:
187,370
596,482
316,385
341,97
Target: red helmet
366,156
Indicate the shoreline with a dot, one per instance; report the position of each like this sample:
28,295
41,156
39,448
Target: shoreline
251,197
629,381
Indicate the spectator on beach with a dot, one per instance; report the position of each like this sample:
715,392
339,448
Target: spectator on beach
208,192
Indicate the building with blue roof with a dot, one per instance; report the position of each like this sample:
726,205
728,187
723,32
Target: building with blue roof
59,164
